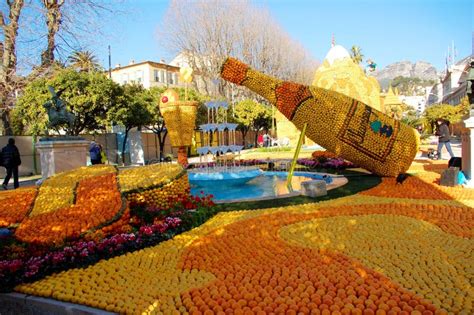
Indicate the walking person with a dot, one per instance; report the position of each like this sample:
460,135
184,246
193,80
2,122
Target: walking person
266,140
444,137
260,140
94,152
11,160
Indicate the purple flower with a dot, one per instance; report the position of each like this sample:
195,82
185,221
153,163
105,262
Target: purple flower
57,257
172,222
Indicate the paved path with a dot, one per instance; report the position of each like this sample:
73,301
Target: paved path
456,145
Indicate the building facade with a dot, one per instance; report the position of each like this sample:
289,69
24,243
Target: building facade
148,74
417,102
452,86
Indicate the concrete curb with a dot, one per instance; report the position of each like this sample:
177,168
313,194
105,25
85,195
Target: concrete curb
18,303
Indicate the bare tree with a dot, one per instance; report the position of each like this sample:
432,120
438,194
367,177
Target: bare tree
53,21
206,32
70,24
9,29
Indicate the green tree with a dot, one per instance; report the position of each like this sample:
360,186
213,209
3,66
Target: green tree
250,114
84,61
29,116
356,54
451,113
132,111
411,118
87,95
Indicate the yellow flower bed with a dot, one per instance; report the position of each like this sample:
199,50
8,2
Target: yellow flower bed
144,177
57,191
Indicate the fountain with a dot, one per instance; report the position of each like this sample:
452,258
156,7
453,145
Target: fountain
228,181
219,138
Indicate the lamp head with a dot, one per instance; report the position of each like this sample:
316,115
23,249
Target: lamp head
470,76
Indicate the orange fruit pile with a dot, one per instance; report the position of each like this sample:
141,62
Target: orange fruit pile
389,250
98,201
15,205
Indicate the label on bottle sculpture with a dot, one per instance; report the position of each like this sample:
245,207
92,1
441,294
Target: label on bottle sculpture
369,132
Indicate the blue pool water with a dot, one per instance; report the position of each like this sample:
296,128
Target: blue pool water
269,184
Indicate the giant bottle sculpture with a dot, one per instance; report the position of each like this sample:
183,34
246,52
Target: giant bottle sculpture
342,125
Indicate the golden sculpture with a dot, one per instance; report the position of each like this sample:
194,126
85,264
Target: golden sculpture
341,124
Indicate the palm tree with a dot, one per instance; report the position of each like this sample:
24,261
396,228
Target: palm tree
356,54
84,61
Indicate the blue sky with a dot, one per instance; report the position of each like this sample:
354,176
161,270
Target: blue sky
387,31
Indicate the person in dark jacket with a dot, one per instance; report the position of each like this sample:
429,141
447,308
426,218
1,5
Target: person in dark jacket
444,137
11,160
94,151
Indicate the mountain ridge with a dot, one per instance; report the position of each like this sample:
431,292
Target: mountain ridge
419,69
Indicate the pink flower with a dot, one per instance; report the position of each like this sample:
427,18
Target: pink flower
58,257
147,230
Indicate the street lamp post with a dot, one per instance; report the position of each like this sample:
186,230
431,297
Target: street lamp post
468,132
470,89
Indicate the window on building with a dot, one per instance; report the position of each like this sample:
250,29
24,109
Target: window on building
162,76
171,78
139,76
156,76
124,78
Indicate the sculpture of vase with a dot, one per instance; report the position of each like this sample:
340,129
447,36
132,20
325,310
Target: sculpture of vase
180,120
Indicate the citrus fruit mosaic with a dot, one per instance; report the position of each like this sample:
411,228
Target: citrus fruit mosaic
15,205
58,191
82,200
342,125
392,249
